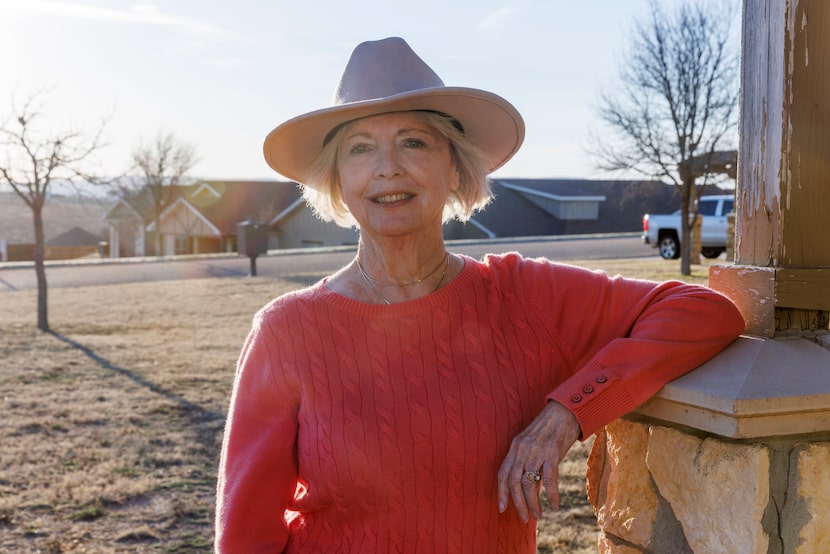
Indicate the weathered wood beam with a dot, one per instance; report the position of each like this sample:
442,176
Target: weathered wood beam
781,277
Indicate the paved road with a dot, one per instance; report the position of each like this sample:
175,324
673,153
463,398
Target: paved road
298,262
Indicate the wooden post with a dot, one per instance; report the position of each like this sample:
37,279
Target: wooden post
783,170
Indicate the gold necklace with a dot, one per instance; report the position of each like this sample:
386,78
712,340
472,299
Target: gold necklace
444,260
369,280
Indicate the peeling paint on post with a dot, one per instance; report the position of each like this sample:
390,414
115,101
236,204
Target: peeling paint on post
784,162
785,176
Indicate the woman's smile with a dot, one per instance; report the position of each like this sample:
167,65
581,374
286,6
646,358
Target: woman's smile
390,198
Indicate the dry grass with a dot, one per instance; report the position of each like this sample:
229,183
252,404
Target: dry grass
111,426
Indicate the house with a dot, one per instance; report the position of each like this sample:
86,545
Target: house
126,226
545,207
298,227
202,218
69,221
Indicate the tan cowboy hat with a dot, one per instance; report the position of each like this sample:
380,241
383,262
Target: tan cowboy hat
387,76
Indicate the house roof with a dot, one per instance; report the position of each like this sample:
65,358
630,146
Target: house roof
76,236
561,189
621,205
239,201
136,204
223,204
511,214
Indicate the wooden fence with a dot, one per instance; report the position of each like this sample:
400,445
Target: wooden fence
26,252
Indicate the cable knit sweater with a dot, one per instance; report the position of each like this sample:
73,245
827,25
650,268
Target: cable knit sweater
356,427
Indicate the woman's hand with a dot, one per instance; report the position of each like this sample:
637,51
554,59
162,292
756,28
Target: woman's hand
539,448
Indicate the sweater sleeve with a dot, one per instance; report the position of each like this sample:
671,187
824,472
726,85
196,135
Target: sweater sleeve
624,338
258,468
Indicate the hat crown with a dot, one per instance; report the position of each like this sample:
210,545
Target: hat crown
381,69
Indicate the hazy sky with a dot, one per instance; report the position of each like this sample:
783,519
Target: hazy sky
222,74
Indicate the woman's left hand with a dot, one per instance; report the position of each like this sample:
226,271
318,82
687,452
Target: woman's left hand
539,448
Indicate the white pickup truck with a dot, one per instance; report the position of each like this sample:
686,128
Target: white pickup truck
663,231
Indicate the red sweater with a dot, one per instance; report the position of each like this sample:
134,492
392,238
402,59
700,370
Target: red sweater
356,427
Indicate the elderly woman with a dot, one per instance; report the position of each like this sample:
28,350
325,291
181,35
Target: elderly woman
417,400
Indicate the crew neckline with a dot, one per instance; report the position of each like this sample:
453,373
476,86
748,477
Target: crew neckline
431,301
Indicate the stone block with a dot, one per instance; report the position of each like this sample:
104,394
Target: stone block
718,491
805,527
619,484
607,545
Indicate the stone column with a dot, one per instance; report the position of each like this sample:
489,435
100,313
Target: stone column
734,456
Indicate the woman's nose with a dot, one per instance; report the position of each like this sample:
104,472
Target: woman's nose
387,163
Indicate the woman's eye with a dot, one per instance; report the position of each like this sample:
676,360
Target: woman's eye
414,143
359,148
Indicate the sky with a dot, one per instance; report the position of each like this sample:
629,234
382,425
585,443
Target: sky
221,74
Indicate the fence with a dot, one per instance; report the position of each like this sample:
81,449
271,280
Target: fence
26,252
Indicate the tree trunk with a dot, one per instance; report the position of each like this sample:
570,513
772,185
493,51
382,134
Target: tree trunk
157,238
685,229
40,268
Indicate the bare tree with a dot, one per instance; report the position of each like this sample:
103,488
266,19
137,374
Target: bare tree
34,159
163,165
677,103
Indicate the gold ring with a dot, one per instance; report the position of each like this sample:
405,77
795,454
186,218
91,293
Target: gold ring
533,476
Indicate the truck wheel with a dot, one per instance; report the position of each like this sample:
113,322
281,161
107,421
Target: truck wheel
669,247
711,253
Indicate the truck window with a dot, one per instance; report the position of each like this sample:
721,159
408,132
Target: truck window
728,206
707,207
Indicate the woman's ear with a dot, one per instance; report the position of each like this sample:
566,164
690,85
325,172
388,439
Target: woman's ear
456,181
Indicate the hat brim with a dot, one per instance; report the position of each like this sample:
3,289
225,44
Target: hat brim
490,122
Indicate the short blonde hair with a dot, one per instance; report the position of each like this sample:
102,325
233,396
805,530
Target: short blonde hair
322,189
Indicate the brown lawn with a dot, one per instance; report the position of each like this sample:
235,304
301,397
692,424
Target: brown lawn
111,426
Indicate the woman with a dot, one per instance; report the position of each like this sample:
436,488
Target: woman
417,400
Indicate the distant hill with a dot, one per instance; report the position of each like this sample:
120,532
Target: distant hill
60,214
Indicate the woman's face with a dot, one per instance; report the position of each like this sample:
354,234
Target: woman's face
396,174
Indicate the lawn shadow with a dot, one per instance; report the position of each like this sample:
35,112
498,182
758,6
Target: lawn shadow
198,414
7,285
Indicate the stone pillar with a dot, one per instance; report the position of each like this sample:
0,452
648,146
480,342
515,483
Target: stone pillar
734,456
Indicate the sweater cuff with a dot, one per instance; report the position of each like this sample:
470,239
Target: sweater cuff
595,396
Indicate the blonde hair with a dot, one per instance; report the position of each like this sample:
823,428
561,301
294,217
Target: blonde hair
322,189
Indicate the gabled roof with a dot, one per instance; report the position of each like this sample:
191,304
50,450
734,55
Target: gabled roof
287,211
242,200
138,204
76,236
223,204
122,209
181,203
559,189
510,214
513,213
